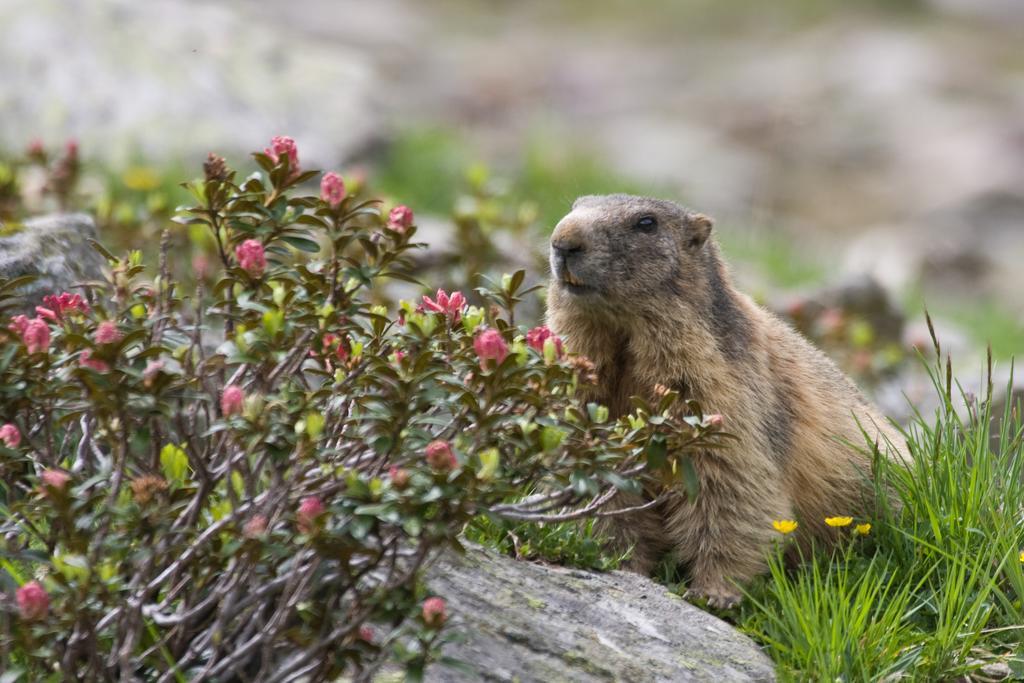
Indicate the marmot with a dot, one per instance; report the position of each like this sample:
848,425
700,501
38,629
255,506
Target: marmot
639,287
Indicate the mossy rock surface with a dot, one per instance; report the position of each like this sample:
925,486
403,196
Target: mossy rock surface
54,248
523,621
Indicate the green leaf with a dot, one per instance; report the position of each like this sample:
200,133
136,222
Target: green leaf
656,452
174,463
690,479
302,243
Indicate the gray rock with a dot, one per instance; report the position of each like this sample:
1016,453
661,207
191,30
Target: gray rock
523,621
55,249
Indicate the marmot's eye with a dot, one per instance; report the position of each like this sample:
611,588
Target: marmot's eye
646,224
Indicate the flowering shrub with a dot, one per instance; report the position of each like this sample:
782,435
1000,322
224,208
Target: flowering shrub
249,481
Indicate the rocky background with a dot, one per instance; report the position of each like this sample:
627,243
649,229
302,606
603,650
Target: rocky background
883,137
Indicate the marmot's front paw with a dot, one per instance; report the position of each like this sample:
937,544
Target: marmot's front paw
718,595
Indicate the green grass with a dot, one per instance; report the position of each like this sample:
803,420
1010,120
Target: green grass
989,323
935,591
575,544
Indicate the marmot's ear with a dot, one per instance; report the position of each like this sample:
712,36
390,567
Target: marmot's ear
698,229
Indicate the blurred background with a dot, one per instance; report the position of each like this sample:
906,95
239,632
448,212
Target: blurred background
862,159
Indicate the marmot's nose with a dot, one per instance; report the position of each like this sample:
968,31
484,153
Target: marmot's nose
564,248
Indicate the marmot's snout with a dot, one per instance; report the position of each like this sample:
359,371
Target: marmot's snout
568,249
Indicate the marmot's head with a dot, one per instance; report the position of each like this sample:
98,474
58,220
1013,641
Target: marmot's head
617,252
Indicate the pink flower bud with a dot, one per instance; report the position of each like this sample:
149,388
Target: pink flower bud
435,612
55,479
400,218
440,456
399,477
255,527
231,400
33,601
251,257
490,345
536,337
36,336
87,361
107,332
366,634
332,189
450,306
284,146
715,421
10,435
310,509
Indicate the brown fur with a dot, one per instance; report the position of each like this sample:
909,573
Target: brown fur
657,306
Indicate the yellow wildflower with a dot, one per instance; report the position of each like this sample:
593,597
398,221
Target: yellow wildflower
838,521
863,529
1022,556
784,526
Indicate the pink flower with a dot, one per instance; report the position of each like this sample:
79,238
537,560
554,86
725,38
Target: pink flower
18,325
231,400
33,601
715,421
366,634
255,527
536,337
490,345
400,218
435,612
440,456
55,479
107,332
61,304
10,435
399,477
332,189
284,146
310,509
71,148
251,257
47,314
87,361
450,306
36,335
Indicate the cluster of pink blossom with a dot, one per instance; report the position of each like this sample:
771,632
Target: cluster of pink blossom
400,218
490,346
33,601
107,332
435,612
282,146
231,400
440,456
311,509
332,189
10,435
55,306
450,306
251,257
34,333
